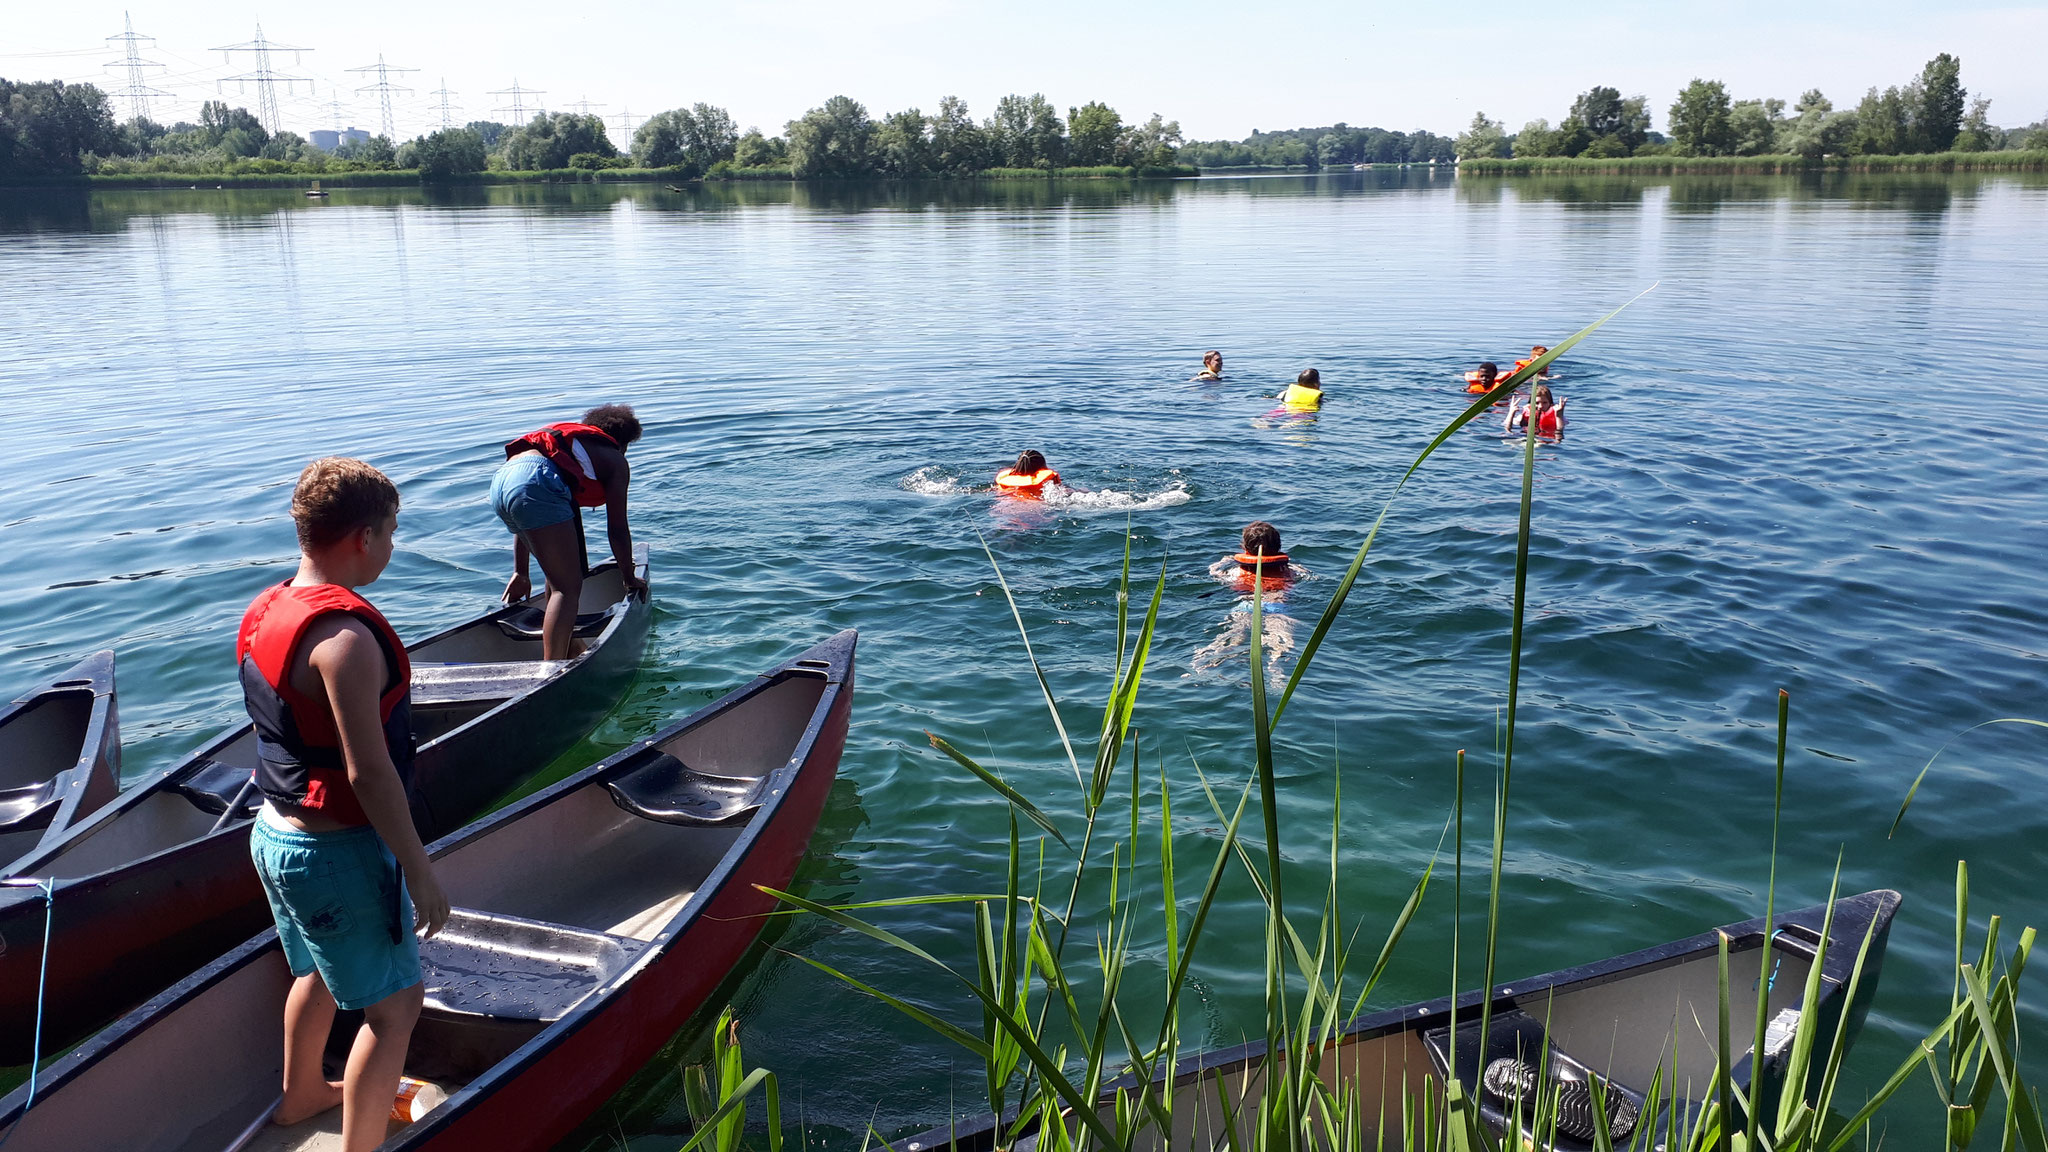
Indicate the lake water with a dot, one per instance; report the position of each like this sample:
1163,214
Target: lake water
1811,459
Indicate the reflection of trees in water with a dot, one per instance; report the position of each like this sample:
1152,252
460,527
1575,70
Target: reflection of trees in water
1930,193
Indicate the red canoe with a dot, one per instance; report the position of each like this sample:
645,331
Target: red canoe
592,918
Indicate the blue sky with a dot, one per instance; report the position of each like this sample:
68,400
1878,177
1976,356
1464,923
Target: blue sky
1221,69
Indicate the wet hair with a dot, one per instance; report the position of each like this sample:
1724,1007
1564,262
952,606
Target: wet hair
1260,536
337,495
616,421
1542,395
1310,378
1489,369
1538,349
1029,461
1212,354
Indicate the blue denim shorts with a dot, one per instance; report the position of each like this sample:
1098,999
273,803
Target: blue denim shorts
529,492
341,908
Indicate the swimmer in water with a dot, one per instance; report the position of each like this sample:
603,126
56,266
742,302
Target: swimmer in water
1484,378
1535,353
1548,410
1306,393
1028,477
1212,366
1259,569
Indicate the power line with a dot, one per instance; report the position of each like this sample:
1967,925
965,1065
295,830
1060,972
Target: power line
583,107
333,109
138,93
263,77
518,105
384,88
442,105
628,121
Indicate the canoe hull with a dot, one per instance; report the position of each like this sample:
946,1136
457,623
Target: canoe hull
125,932
70,736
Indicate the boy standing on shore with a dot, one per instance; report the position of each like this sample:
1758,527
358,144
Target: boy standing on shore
328,686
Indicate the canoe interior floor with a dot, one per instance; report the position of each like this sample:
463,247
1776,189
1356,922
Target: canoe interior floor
647,923
322,1133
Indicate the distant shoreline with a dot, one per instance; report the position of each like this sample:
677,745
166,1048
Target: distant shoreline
1933,162
408,177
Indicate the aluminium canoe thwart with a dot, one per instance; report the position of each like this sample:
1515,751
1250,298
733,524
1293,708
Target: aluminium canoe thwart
591,920
60,756
1622,1022
158,881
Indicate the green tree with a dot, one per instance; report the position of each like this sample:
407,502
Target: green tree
1538,138
1599,111
47,128
489,131
694,138
1027,132
1939,118
1884,124
1633,130
1154,144
835,139
1978,133
958,143
1094,133
1484,140
2035,138
1753,126
1699,120
903,145
550,138
447,154
757,151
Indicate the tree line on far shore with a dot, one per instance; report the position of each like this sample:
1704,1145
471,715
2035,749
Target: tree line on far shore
53,129
1930,113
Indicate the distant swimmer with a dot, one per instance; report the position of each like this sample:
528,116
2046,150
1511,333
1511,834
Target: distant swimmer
1549,412
1028,477
1259,568
1535,353
1306,393
1482,378
1212,366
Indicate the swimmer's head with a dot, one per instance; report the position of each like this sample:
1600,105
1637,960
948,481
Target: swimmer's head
1543,399
1029,462
616,421
1212,360
1261,538
1488,371
1310,378
1538,350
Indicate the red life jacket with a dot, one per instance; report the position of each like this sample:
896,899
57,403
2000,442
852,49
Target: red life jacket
298,751
1015,483
556,442
1551,422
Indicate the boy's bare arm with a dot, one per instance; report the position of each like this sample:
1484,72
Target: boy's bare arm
352,666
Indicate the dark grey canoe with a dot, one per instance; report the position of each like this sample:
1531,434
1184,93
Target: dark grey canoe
159,881
60,756
1623,1019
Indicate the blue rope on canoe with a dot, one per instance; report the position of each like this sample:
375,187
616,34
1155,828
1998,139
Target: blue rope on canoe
48,885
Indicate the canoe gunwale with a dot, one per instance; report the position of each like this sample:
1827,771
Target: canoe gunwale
833,699
99,743
1854,916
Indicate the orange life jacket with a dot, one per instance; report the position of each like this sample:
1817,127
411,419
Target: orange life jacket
299,762
557,443
1014,483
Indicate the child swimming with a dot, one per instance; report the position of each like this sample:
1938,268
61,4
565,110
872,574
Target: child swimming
1260,568
1549,412
1306,393
1483,378
1535,352
1028,477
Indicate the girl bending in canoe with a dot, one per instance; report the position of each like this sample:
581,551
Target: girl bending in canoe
547,475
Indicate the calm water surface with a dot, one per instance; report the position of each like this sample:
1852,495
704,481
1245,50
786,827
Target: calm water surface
1811,459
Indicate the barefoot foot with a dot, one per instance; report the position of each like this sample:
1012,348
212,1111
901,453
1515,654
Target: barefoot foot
304,1106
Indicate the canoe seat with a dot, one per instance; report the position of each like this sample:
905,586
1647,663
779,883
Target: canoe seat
1520,1064
464,683
524,621
31,806
215,785
487,966
668,790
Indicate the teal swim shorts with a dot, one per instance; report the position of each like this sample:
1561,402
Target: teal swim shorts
341,908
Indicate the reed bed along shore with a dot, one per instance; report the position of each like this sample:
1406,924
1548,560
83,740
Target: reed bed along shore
2036,161
1074,1054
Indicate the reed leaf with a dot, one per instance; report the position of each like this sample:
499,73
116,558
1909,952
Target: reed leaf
1917,780
1016,798
1051,705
